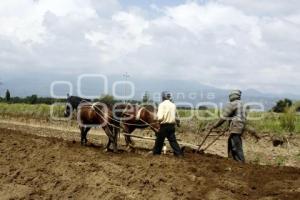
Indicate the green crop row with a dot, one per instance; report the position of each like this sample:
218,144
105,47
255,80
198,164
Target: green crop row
36,111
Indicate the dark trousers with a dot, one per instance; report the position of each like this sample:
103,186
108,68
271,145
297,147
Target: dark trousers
166,131
235,147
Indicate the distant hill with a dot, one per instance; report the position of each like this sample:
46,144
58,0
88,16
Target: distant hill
184,91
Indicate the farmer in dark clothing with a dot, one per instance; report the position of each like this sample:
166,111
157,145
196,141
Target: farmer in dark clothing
234,113
167,117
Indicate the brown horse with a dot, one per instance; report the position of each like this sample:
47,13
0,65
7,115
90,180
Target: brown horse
131,117
97,115
112,118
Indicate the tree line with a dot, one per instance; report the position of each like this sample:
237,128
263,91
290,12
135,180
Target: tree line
33,99
280,106
107,99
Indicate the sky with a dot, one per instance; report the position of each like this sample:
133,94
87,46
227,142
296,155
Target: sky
226,44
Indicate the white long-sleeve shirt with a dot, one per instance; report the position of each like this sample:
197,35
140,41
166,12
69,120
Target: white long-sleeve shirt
166,113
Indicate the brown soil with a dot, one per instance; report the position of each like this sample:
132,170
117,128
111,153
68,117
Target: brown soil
34,167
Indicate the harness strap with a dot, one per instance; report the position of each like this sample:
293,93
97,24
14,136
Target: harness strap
93,105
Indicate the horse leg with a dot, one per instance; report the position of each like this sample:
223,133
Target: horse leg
115,141
128,140
82,135
108,144
111,139
115,132
85,134
126,130
131,142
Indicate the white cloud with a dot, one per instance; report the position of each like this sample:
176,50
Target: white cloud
225,43
277,8
124,34
24,19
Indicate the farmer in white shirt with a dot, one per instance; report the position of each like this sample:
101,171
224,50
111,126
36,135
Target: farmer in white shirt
167,117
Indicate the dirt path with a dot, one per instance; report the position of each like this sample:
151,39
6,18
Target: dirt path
33,167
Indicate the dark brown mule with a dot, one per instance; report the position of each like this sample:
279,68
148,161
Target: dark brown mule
97,115
131,117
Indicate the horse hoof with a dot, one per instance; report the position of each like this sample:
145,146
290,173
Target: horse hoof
150,153
182,149
106,150
201,151
115,150
129,149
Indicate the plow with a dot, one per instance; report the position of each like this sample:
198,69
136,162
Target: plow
199,148
209,133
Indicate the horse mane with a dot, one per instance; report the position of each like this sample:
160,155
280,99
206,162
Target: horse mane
78,98
149,108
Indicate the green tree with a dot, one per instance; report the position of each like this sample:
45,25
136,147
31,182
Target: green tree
7,95
202,107
33,99
146,97
107,99
282,105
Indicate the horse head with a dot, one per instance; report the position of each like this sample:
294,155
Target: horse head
148,116
72,104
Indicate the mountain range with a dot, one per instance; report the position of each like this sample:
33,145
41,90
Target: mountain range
184,92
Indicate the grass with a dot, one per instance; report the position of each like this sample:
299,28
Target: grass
263,122
298,156
193,121
280,160
277,123
37,111
257,159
